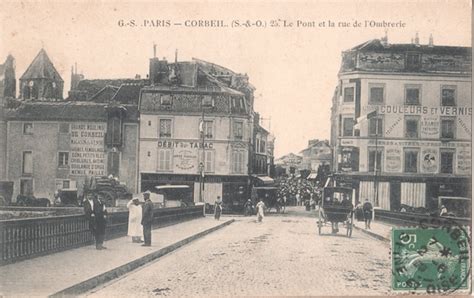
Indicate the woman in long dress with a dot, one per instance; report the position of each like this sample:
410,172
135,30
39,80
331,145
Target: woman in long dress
260,210
135,228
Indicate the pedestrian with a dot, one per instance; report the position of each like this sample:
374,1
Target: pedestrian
135,228
147,218
260,210
443,211
367,207
217,208
298,203
96,214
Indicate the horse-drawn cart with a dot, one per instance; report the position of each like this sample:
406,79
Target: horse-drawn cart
336,207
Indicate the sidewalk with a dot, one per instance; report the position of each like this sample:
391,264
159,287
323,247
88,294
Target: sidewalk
378,229
83,268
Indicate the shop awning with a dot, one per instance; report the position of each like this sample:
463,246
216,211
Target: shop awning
265,179
312,176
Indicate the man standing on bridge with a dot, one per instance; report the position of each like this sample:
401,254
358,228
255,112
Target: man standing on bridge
147,218
96,214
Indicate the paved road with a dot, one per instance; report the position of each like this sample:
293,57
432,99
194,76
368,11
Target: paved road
281,256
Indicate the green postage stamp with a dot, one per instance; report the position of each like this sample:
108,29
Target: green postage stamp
435,260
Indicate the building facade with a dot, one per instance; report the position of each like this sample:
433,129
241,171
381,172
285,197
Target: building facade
7,92
195,130
53,144
317,153
290,163
412,105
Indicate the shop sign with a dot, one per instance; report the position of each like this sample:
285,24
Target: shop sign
393,159
420,110
464,161
185,160
430,126
182,144
429,160
345,142
87,149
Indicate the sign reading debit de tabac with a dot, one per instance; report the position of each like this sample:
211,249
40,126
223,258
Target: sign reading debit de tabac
185,154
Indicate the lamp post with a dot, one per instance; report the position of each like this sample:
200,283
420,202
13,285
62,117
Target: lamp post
201,163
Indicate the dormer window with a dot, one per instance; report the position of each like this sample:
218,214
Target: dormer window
413,61
165,99
207,101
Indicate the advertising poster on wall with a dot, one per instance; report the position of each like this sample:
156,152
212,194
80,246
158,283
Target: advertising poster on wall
87,149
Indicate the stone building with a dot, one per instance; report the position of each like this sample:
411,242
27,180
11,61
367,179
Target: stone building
53,144
413,109
196,130
7,92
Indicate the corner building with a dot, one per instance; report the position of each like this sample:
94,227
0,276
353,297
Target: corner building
195,121
416,146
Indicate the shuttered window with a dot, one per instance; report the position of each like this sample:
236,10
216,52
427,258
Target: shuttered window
165,160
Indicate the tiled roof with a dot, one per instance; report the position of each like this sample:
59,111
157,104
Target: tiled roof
65,111
92,87
105,94
41,68
128,94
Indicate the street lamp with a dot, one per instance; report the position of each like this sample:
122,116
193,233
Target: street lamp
201,163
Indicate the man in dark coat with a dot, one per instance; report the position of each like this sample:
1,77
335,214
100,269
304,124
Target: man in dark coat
96,214
147,218
368,209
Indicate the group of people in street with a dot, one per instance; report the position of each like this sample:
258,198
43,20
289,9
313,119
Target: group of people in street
139,222
260,206
298,192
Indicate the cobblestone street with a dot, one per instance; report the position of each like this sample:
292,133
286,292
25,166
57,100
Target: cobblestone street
281,256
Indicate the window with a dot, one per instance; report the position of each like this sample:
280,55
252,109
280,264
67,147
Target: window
27,128
207,129
375,159
64,128
376,126
164,160
448,95
114,131
165,99
63,184
209,161
165,128
63,159
208,101
376,95
348,125
411,160
349,94
238,130
448,128
26,187
27,162
413,60
257,145
238,162
447,161
262,146
411,127
412,95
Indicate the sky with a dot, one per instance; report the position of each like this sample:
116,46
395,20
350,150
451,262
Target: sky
293,68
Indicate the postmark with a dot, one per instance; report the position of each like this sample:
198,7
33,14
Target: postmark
430,259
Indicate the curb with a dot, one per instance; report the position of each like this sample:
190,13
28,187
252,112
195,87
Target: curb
97,280
372,234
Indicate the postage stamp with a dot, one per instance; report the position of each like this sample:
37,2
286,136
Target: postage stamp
435,260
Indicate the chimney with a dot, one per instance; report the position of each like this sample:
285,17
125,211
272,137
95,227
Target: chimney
430,43
417,40
384,40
